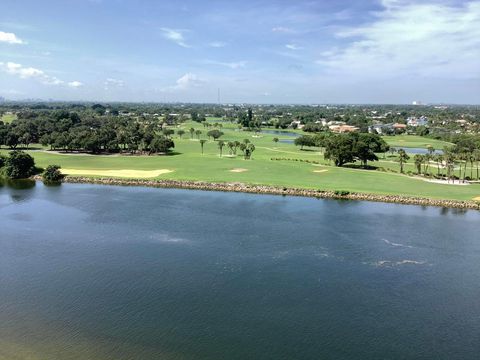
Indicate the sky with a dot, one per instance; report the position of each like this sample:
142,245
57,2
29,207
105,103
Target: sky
296,51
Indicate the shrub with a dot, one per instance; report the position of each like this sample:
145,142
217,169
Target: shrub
341,192
52,174
3,160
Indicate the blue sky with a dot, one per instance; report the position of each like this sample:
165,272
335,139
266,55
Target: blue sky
382,51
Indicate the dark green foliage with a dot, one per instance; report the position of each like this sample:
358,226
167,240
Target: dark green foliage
19,165
304,140
161,144
52,174
345,148
215,134
3,160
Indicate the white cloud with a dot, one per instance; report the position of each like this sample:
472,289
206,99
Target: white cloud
188,81
33,73
413,39
176,36
113,83
293,47
10,38
231,65
75,84
217,44
282,29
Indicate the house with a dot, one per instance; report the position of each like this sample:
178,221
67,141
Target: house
296,124
421,121
343,128
399,127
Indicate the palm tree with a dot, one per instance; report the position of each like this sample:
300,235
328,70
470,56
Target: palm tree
418,159
449,158
192,130
476,155
438,159
202,142
180,133
231,146
402,158
198,133
221,144
249,151
236,145
427,158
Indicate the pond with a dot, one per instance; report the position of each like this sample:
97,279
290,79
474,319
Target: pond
104,272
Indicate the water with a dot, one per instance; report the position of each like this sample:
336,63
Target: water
98,272
421,151
280,133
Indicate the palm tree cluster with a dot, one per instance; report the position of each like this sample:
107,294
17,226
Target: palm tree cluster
458,159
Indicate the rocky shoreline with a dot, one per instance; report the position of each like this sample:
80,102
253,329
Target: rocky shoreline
273,190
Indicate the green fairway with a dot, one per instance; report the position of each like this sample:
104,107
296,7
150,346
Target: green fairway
414,141
187,163
8,118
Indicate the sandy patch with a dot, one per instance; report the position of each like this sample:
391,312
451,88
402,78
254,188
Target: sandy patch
134,174
320,171
476,198
238,170
444,182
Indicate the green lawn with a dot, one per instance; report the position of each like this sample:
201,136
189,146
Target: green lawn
414,141
8,118
189,164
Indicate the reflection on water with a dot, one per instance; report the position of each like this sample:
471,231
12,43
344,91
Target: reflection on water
104,273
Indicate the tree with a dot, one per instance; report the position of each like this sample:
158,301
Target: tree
304,140
202,142
19,165
366,145
418,159
198,133
215,134
339,149
180,133
192,130
438,159
231,146
3,160
220,145
249,149
168,132
275,140
402,158
52,174
161,144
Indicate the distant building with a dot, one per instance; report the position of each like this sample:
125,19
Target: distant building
296,124
421,121
343,128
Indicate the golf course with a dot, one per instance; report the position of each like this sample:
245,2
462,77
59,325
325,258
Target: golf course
272,163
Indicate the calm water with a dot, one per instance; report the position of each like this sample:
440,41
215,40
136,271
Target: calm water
421,151
97,272
280,133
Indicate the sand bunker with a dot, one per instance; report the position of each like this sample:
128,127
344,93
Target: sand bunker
444,182
134,174
476,198
238,170
320,171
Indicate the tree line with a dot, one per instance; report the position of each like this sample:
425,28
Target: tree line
66,130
